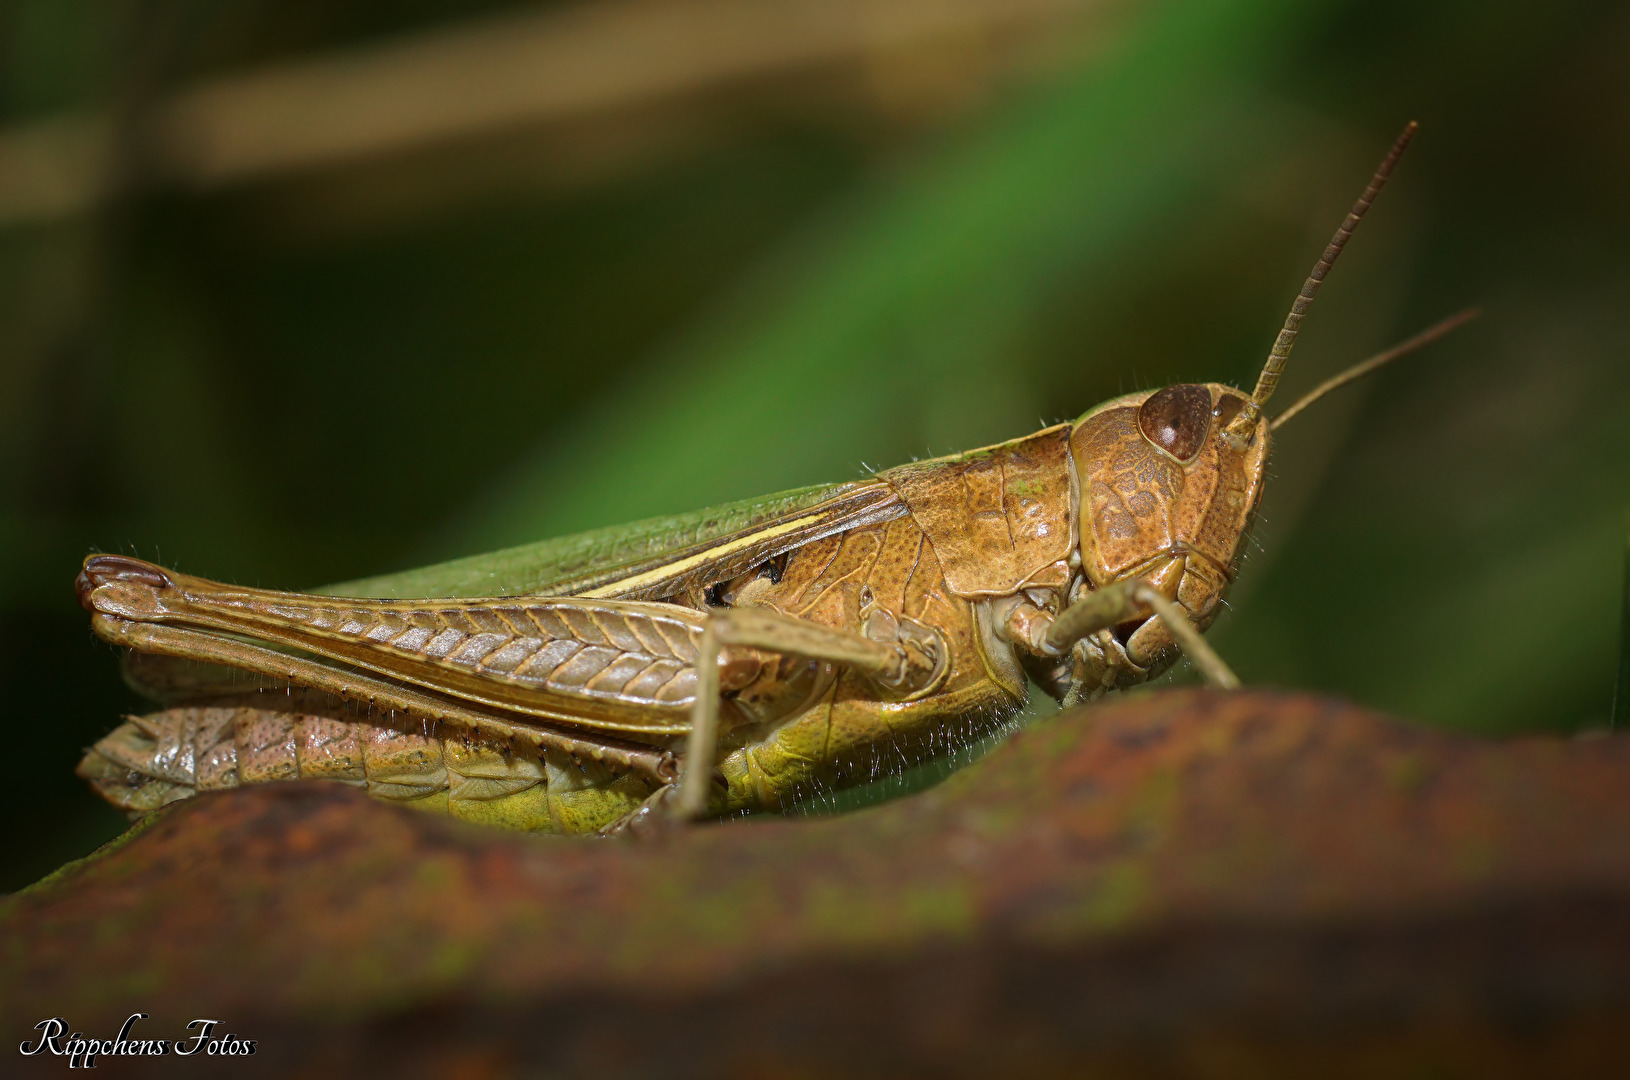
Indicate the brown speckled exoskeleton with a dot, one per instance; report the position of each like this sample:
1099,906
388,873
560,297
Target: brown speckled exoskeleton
723,661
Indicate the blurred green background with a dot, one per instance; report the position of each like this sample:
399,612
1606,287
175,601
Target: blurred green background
297,292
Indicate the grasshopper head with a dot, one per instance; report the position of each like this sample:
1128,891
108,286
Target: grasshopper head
1170,478
1167,492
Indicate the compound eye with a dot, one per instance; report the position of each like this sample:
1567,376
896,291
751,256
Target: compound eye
1177,420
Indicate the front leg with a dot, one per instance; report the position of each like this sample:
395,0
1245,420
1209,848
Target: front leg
1122,601
893,666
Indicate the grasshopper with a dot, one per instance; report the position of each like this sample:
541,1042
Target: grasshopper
729,660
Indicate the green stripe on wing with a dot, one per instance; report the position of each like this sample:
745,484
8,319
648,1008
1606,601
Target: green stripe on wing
575,563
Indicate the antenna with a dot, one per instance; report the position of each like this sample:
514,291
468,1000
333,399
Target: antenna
1266,383
1363,368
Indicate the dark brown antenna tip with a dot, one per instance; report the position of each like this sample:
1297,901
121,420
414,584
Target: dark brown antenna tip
1269,379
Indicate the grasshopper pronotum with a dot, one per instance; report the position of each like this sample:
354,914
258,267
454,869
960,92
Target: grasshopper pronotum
726,660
